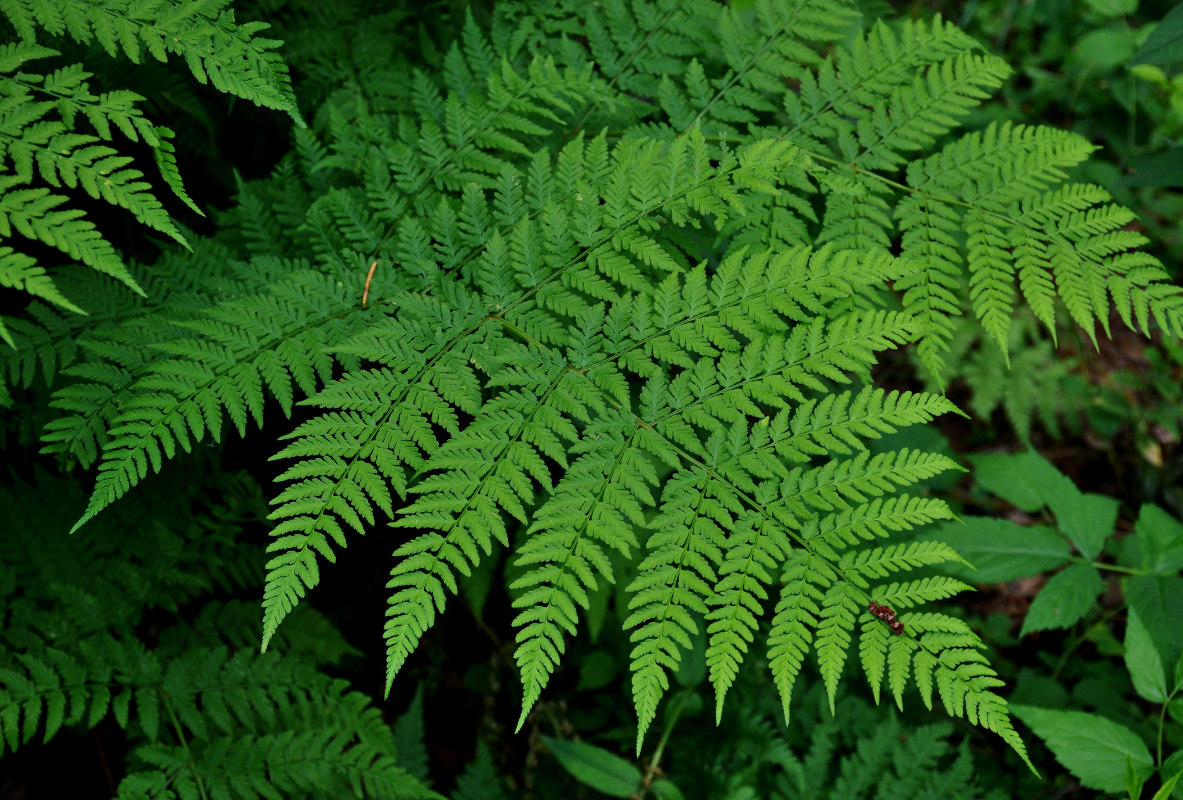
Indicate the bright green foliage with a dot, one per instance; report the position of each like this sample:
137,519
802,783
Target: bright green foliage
608,283
45,148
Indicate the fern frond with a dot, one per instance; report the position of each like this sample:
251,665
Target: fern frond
597,505
244,349
380,428
215,48
35,214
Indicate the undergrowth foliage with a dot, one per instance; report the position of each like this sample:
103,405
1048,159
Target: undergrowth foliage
609,281
205,714
56,134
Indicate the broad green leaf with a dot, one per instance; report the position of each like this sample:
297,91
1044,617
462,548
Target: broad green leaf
1030,482
1172,772
1178,675
1158,599
1091,747
1105,49
1165,42
1133,780
595,767
1000,549
597,670
1113,8
665,790
1155,169
1160,540
1013,477
1086,519
1143,661
1064,600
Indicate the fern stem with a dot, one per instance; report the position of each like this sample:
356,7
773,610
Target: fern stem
712,473
651,770
582,255
176,723
837,162
735,76
627,63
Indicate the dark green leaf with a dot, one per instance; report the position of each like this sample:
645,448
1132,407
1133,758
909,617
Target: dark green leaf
1091,747
1000,549
1087,519
1113,8
1160,540
603,771
1165,43
1105,49
597,670
1013,477
1155,169
1143,661
1158,599
665,790
1064,600
1167,787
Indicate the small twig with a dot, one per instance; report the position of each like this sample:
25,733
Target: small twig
365,294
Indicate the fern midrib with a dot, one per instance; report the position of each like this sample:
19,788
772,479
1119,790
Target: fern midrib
379,422
576,537
133,113
417,592
180,733
607,239
671,590
210,376
219,370
886,512
456,150
139,202
83,8
903,58
900,122
957,168
753,504
625,65
730,601
927,195
832,344
769,41
397,400
689,320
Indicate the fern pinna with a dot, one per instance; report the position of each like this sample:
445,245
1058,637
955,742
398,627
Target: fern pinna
56,134
630,286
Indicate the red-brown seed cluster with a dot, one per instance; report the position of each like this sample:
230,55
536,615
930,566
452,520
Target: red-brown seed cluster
887,615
